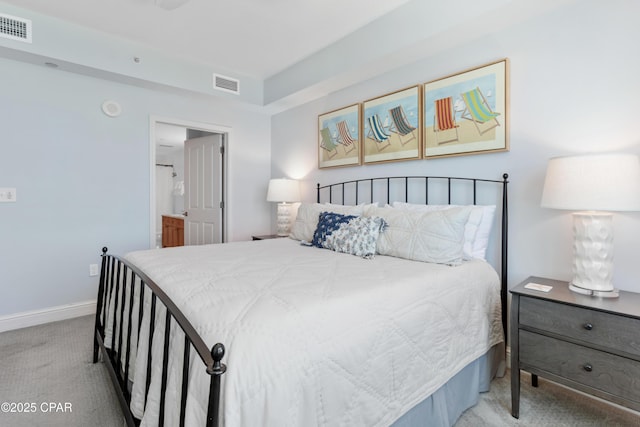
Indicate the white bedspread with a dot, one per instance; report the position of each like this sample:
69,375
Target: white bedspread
316,337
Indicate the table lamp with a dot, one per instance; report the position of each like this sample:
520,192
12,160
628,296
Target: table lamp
594,185
284,191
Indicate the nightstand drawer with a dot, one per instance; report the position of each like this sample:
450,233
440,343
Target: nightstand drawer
595,327
597,369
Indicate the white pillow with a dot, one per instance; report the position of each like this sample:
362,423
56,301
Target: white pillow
366,208
436,236
477,229
308,214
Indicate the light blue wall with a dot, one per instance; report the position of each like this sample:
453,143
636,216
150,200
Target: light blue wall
82,178
573,86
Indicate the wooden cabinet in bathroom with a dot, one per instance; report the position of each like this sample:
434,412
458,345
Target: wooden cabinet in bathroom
172,231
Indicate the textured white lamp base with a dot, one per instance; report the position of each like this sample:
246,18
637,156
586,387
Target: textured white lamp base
283,219
606,294
593,254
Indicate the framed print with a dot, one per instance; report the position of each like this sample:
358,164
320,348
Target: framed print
339,142
392,127
466,113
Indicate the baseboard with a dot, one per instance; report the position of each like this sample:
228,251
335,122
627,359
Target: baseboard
47,315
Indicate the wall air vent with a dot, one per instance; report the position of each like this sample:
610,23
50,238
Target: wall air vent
15,28
226,84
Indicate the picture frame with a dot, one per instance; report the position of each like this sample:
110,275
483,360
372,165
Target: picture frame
339,137
467,112
392,126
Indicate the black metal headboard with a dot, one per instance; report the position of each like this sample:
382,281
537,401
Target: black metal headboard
424,189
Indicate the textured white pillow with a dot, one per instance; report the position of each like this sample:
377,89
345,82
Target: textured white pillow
477,229
366,207
308,214
435,236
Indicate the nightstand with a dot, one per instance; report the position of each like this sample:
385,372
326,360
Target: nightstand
587,343
267,236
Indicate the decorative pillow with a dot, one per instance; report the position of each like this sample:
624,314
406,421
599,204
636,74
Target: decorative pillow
477,229
308,213
348,233
436,236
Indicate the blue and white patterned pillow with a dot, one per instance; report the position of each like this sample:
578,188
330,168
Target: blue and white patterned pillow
350,234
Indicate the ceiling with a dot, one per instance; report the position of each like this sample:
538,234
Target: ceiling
257,38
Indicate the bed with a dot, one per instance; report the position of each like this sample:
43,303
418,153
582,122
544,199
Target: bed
274,332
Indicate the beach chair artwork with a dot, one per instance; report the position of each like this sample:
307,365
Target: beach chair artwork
377,132
345,138
327,143
477,110
401,126
339,137
444,121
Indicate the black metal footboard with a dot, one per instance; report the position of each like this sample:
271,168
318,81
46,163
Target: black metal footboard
121,285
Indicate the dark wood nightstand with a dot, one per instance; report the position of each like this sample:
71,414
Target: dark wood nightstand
267,236
588,343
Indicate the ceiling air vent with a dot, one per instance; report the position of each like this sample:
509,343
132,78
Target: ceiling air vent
15,28
226,84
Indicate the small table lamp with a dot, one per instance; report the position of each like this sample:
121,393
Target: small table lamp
593,183
283,191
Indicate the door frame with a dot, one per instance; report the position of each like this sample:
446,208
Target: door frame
225,131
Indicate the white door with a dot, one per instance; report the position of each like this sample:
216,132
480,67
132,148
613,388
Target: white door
203,190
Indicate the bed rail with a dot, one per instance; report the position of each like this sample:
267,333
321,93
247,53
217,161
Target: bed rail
116,298
423,189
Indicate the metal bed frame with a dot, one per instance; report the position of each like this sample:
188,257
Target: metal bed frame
118,278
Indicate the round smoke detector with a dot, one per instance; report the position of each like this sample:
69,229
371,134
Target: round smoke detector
111,108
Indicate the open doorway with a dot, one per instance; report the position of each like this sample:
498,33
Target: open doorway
169,198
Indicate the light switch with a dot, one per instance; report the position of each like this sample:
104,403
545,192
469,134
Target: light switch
7,194
93,270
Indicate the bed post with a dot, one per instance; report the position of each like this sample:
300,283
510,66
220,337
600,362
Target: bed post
96,345
216,371
505,240
318,192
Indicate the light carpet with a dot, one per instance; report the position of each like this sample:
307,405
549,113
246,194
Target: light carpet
52,364
548,405
49,368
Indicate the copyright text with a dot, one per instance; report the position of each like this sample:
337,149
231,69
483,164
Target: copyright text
33,407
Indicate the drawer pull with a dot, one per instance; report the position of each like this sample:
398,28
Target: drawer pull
588,367
588,326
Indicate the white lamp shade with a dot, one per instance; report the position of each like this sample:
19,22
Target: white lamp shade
283,190
596,182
